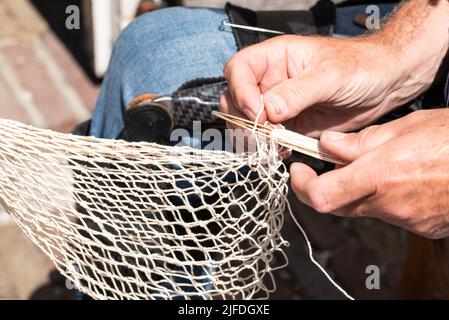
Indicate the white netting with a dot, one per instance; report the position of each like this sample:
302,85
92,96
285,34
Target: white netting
140,221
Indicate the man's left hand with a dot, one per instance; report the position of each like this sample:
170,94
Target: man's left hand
398,172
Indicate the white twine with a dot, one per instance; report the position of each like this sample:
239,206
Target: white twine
250,28
301,229
128,194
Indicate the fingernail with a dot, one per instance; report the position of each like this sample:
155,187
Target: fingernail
275,101
334,135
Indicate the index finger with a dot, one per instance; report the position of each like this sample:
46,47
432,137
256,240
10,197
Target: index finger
243,81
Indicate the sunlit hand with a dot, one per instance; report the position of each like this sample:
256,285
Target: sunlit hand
318,83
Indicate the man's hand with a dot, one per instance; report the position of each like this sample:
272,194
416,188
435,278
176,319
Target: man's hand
399,173
318,83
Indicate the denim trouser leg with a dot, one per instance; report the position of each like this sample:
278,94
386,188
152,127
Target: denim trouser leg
157,53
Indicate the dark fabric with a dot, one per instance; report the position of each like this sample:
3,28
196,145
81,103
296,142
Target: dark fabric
324,14
289,22
196,100
82,129
150,123
243,16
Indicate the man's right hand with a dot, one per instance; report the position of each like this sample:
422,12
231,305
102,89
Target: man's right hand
318,83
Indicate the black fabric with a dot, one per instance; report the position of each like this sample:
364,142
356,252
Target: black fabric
82,129
317,21
324,13
149,123
289,22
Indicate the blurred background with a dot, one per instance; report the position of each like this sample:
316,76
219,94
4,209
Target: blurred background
50,77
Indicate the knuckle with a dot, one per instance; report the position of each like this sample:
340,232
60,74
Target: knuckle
404,215
365,134
428,228
227,69
369,130
287,38
296,92
359,212
332,71
240,98
319,202
296,186
223,104
229,66
353,138
433,236
424,230
420,115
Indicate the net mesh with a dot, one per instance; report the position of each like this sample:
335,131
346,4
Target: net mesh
143,221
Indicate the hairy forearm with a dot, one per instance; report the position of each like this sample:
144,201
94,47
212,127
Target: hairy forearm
418,34
417,21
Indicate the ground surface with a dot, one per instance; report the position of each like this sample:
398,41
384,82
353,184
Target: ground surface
40,84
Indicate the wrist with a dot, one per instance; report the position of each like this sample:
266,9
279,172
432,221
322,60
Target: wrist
416,39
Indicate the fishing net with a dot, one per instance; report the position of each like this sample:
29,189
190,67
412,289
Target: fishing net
128,220
144,221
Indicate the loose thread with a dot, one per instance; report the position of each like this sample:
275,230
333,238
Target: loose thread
301,229
310,250
259,114
251,28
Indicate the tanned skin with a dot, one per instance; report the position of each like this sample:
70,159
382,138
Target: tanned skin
320,86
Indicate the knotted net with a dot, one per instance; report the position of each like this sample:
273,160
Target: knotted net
144,221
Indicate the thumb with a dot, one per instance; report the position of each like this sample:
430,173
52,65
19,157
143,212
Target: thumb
287,99
351,146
